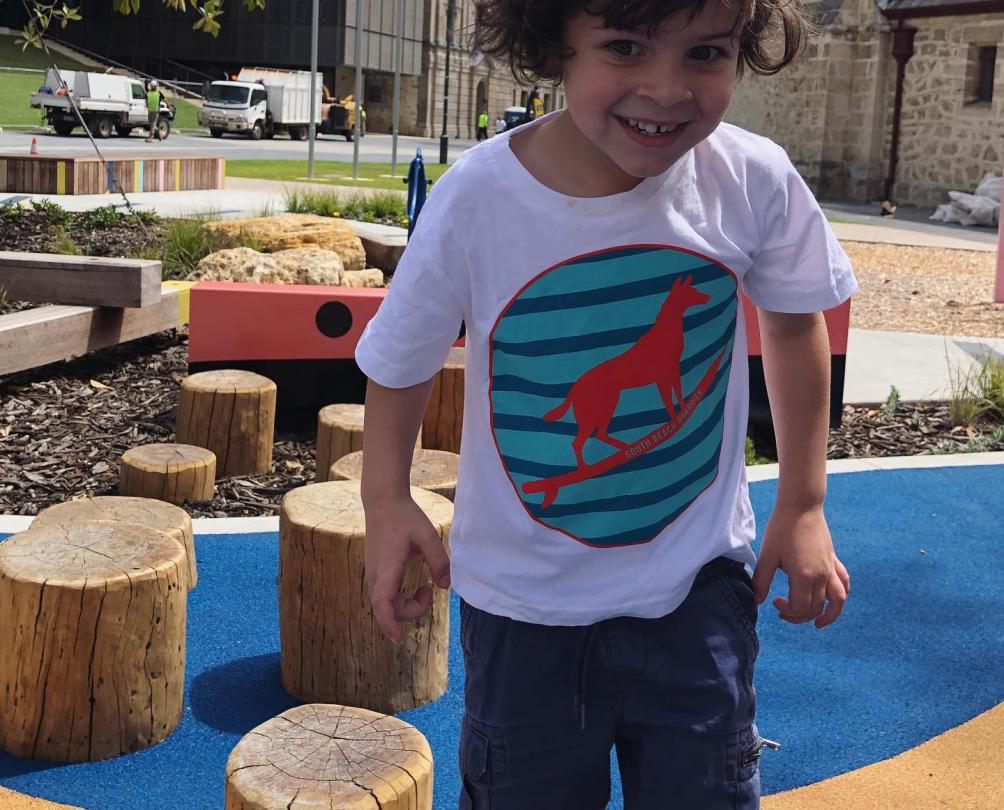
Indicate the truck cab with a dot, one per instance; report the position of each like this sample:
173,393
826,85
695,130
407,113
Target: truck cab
107,102
235,106
261,103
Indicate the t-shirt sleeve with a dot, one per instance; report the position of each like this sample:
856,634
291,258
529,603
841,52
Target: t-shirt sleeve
409,338
800,266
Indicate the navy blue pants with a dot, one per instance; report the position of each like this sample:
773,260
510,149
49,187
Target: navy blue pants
674,695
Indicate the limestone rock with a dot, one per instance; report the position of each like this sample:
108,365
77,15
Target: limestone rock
294,266
363,278
298,230
313,265
241,264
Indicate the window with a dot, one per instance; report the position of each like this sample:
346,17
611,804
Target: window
522,98
980,70
138,91
257,96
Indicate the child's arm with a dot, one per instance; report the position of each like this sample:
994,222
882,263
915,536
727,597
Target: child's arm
397,530
796,360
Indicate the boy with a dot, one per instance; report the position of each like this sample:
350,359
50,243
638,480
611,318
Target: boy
602,523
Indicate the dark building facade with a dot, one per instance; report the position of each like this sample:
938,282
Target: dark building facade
278,36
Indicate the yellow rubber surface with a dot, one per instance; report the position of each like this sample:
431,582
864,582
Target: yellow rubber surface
9,800
962,769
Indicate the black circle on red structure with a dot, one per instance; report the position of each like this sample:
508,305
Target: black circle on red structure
333,319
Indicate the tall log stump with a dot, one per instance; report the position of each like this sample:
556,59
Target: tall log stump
444,416
92,628
231,413
147,512
169,472
340,432
328,757
434,470
333,651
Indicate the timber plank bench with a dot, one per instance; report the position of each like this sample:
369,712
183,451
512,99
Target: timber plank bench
92,628
332,650
330,757
79,174
93,303
92,280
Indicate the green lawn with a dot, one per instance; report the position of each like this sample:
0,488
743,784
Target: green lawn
15,93
371,175
11,55
185,116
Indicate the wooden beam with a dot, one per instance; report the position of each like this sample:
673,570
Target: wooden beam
47,334
93,281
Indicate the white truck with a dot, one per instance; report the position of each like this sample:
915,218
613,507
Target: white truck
261,103
108,103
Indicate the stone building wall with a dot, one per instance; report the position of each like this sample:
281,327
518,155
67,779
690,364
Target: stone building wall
833,109
947,143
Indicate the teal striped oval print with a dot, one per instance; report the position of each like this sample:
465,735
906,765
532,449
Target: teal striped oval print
607,389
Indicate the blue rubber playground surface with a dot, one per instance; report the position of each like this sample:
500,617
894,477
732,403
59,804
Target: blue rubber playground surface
916,653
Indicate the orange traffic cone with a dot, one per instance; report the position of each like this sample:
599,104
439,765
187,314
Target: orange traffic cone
34,148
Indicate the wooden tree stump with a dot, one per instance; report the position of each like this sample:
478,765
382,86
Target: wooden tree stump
434,470
340,432
231,413
333,651
444,416
92,628
329,757
120,509
169,472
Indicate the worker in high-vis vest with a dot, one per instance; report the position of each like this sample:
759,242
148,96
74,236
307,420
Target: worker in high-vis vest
483,126
153,99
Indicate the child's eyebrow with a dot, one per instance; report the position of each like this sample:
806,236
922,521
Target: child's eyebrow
723,35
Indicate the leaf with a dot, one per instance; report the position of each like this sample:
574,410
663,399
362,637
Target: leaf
99,385
97,469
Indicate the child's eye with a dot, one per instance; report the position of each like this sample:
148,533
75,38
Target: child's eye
624,47
707,53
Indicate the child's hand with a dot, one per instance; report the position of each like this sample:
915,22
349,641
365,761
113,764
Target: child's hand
798,542
396,533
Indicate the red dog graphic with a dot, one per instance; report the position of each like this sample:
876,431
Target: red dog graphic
654,359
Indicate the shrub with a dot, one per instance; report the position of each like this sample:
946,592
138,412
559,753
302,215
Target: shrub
185,242
53,212
99,219
63,243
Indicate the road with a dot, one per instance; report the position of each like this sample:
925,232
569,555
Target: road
374,148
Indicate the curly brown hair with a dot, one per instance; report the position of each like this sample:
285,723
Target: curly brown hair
529,34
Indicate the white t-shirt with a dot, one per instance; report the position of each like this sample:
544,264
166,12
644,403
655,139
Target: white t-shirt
587,489
499,126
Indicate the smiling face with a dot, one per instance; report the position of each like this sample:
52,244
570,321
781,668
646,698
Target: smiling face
637,101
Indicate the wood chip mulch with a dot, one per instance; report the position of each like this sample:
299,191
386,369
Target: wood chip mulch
64,427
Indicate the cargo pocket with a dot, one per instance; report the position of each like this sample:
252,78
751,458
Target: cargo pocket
482,757
747,750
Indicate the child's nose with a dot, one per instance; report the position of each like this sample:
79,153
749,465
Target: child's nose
665,88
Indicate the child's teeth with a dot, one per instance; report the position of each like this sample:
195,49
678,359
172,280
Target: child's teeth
651,129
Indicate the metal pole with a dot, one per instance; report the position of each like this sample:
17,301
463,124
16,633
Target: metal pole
444,138
312,129
359,89
398,61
